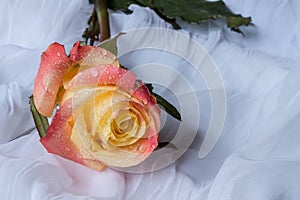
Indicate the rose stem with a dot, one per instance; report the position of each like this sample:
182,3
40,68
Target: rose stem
101,10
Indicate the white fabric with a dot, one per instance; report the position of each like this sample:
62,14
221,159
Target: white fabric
258,154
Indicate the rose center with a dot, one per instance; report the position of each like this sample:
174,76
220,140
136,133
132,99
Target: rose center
124,122
126,126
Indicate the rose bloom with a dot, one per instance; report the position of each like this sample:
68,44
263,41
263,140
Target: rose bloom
105,118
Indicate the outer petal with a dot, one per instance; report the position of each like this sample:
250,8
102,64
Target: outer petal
104,75
129,155
58,138
54,63
142,93
92,56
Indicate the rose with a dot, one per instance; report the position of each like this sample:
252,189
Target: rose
105,116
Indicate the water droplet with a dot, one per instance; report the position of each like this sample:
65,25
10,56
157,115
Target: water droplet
131,156
145,101
103,102
120,75
67,149
107,72
109,77
81,149
95,73
69,105
153,146
141,148
104,52
58,54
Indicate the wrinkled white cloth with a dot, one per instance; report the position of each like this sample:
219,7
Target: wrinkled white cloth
257,155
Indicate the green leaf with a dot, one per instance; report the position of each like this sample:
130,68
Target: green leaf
119,4
111,44
165,144
234,22
41,122
149,87
192,11
170,109
167,106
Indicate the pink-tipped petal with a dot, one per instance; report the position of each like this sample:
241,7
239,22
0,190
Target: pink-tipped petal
54,63
58,138
104,75
92,56
141,93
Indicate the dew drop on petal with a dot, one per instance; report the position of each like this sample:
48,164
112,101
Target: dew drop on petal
141,148
104,52
145,101
81,149
103,102
67,149
131,156
153,146
95,73
69,105
58,54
